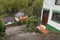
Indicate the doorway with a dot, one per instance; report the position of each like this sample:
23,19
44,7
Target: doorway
45,17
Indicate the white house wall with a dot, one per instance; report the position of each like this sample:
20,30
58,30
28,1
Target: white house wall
52,23
50,4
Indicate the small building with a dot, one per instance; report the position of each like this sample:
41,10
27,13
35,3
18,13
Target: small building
7,20
50,15
18,15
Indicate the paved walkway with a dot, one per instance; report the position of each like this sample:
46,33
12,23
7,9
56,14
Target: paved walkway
15,29
16,33
33,36
24,36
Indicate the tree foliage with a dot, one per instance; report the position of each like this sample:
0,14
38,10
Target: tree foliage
2,28
30,7
13,6
37,6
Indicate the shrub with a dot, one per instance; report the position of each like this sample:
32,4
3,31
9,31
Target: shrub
2,28
19,23
31,24
15,23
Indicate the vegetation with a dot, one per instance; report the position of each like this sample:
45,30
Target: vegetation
29,7
37,6
13,6
3,15
2,29
32,8
19,22
31,23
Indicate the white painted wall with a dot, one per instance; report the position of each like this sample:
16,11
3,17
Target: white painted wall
50,4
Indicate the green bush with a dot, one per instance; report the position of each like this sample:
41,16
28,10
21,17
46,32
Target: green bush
37,6
13,6
19,23
31,24
15,23
27,6
2,28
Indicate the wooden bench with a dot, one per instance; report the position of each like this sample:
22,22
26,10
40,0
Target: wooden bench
44,31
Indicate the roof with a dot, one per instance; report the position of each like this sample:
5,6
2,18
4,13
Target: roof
7,19
56,11
19,14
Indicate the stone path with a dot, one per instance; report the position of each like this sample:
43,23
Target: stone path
25,36
15,29
15,33
33,36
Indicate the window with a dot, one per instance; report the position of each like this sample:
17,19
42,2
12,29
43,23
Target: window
56,17
57,2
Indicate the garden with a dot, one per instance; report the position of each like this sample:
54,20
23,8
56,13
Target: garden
30,8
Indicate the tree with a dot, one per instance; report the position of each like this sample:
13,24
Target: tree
13,6
30,7
37,6
2,9
30,2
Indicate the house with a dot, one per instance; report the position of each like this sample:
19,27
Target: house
50,15
7,20
18,15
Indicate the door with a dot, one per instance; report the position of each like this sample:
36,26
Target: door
45,17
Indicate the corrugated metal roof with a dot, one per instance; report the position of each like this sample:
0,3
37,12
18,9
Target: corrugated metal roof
19,14
7,19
